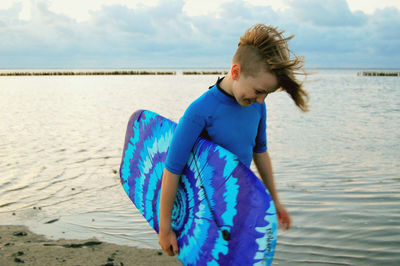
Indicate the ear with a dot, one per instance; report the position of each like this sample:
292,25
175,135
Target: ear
235,71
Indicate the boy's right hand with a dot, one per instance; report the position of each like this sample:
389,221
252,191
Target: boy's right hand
167,241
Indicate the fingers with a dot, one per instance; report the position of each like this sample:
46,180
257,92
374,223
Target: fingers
169,251
284,221
284,225
175,247
283,218
169,244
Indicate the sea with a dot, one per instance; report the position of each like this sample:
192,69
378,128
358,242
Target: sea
336,167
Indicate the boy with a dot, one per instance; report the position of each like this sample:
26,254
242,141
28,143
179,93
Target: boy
233,115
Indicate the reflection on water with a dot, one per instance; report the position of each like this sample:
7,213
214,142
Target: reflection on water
337,167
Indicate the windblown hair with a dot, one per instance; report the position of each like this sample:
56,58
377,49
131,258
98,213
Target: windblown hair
264,47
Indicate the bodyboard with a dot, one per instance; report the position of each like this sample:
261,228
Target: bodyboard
222,214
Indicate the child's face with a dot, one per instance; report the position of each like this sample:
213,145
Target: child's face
248,89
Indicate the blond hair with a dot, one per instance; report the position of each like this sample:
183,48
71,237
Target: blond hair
264,46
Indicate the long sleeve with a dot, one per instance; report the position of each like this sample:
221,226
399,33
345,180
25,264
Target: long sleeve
261,139
186,133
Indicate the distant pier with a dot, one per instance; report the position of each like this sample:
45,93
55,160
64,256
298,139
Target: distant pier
205,72
87,73
110,72
378,74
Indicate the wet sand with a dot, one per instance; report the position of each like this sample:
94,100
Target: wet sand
19,246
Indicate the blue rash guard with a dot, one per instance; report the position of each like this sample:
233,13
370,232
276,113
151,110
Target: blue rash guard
239,129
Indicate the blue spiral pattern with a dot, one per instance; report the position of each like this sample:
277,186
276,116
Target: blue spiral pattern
222,214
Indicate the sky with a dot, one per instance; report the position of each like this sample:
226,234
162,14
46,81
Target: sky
108,34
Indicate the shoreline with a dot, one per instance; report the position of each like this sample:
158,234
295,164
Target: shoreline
19,246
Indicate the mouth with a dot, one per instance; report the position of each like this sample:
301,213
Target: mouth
248,101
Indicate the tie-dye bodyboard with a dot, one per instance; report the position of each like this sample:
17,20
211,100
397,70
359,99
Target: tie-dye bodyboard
222,213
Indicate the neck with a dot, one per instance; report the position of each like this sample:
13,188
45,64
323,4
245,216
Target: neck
226,84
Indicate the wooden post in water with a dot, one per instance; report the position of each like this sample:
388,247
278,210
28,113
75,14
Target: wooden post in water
378,74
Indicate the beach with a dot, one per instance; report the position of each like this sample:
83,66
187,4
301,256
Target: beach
19,246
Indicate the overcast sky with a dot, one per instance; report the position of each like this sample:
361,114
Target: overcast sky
194,34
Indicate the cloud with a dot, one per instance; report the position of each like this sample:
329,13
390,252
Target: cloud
330,35
327,33
330,13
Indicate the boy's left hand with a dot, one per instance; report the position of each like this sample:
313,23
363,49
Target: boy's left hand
284,220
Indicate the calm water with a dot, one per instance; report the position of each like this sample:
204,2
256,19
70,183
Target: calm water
337,167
